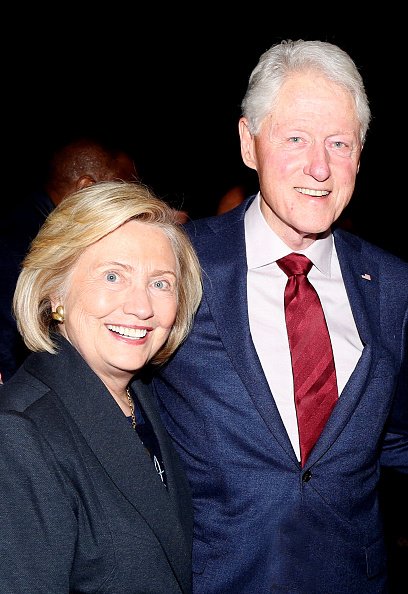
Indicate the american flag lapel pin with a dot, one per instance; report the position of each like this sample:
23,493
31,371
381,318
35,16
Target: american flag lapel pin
366,276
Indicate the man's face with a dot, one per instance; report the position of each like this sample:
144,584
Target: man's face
307,157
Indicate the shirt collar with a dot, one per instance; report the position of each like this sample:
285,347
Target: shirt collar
264,246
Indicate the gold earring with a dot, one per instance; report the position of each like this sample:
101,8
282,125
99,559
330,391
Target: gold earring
58,314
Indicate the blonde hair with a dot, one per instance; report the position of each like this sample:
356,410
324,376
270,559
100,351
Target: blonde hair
80,220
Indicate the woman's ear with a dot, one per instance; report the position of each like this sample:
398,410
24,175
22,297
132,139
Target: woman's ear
56,301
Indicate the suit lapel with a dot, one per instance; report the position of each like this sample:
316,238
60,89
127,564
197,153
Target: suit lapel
177,492
362,282
225,279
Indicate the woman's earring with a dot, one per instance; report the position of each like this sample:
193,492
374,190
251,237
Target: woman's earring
58,314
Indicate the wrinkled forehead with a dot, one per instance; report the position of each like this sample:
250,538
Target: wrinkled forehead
312,98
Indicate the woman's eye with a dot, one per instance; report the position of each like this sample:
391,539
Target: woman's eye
111,277
160,284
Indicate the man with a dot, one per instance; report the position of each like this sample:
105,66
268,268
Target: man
272,515
75,164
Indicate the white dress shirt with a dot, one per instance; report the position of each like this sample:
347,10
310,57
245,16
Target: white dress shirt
266,285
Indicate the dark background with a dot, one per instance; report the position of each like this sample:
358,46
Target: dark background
172,91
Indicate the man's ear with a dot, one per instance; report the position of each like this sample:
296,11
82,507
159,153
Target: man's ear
247,144
84,182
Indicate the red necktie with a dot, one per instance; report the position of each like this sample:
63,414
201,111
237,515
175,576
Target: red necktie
314,374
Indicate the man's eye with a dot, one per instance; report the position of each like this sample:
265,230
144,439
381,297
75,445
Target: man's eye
295,139
111,277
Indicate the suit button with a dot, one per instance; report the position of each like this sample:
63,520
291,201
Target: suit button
307,476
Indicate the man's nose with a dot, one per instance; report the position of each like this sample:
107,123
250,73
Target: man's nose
317,165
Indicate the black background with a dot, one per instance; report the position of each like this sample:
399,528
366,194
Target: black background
171,91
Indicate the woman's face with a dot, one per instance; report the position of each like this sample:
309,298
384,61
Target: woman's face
121,300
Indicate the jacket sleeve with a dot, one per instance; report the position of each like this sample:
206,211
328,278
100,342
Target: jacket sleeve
33,507
395,446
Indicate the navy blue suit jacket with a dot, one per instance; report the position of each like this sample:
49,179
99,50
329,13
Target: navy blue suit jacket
82,508
262,524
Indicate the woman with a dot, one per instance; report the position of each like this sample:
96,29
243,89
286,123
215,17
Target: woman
92,495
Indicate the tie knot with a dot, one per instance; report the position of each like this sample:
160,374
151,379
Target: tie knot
293,264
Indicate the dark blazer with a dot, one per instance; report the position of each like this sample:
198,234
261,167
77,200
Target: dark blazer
262,524
82,508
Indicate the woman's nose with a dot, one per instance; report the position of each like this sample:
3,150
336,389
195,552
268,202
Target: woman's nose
138,303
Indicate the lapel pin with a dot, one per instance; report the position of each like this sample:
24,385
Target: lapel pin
366,276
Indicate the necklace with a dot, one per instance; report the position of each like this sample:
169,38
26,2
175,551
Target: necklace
132,409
